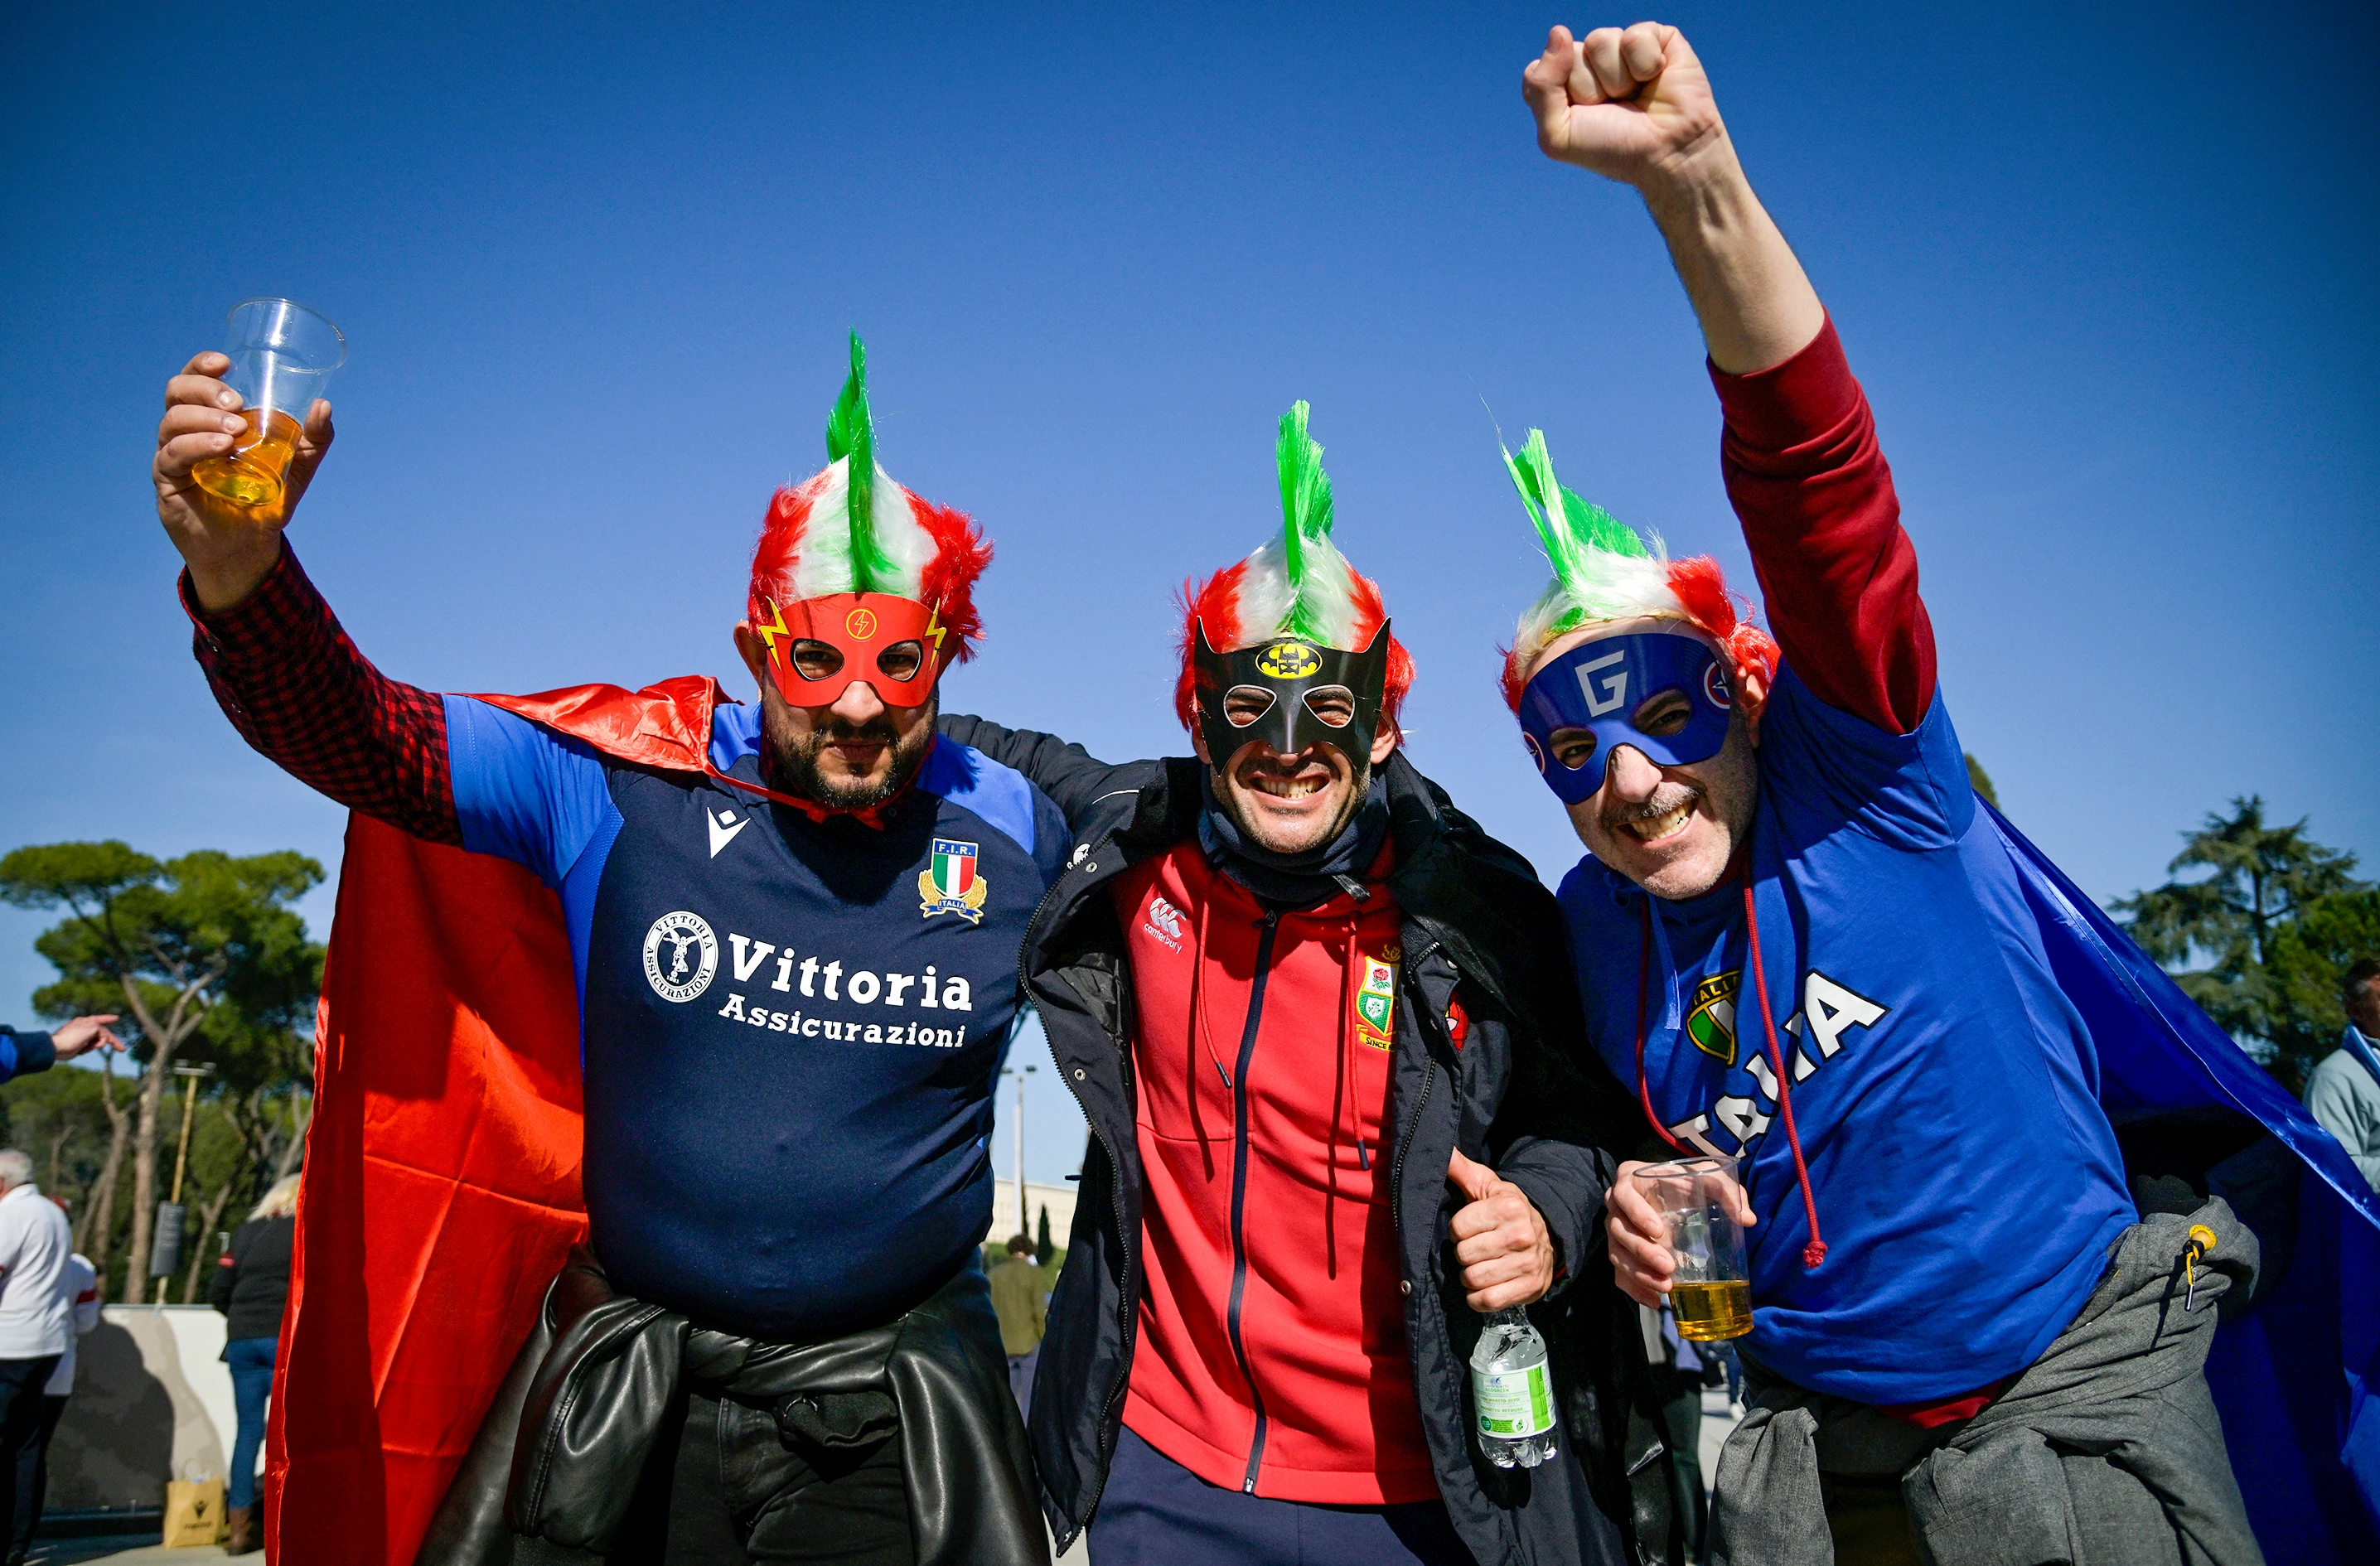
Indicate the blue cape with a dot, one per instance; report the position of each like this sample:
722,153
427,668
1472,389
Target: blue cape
2292,1374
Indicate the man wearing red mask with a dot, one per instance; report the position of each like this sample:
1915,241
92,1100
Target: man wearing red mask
787,935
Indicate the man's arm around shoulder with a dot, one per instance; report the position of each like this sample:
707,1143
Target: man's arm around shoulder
1072,777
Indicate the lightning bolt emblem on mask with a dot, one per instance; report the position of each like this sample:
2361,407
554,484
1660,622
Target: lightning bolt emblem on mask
769,634
934,626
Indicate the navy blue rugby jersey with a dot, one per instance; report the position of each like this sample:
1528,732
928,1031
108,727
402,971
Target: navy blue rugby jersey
791,1030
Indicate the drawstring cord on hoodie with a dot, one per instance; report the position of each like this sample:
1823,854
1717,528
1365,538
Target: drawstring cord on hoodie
1348,1075
1814,1252
1348,1079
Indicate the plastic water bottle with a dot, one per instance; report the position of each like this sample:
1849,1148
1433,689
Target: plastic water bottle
1512,1392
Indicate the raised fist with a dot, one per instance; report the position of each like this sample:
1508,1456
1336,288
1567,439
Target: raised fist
1631,104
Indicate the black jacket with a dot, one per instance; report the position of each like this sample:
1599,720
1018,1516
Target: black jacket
251,1282
1523,1096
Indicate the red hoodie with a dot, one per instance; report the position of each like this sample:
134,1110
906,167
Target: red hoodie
1272,1355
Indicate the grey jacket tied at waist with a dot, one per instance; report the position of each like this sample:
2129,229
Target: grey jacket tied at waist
596,1389
2106,1452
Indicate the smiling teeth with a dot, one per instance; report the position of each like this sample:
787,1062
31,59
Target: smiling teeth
1661,826
1287,788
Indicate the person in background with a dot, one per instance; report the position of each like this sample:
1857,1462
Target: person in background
22,1053
250,1285
34,1310
1680,1370
1021,1297
79,1283
2343,1092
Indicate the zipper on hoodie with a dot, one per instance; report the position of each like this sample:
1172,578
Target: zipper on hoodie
1271,928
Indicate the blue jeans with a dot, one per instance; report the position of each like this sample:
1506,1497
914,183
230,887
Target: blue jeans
252,1361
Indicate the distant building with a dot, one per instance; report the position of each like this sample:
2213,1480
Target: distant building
1059,1199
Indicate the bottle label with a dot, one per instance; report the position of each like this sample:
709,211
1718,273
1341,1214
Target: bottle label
1515,1403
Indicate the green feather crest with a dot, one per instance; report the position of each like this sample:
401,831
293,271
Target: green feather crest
850,433
1305,516
1582,528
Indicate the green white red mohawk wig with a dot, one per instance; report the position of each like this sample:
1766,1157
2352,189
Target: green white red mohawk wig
850,528
1604,571
1297,584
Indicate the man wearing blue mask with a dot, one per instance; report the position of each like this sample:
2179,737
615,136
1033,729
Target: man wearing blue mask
1804,944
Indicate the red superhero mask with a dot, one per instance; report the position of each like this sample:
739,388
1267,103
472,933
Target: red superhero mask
820,646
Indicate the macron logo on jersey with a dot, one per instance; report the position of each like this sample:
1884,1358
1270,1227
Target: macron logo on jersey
724,825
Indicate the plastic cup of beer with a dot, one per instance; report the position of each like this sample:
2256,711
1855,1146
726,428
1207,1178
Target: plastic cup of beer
1710,1294
281,355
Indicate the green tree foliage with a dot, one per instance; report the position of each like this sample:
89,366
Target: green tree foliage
2237,939
2310,956
204,957
1983,782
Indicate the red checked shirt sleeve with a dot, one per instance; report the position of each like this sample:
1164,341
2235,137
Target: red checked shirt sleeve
1837,575
297,689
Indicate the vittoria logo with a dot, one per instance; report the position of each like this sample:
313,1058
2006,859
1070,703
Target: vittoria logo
693,956
949,883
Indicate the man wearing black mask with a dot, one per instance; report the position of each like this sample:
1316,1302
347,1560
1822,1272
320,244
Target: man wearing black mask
1316,1020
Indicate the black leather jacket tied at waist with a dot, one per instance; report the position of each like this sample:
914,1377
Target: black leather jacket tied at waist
594,1389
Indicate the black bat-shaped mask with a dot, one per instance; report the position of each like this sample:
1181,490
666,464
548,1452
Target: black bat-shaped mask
1287,673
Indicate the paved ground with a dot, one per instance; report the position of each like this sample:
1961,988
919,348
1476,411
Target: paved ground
1718,1418
144,1547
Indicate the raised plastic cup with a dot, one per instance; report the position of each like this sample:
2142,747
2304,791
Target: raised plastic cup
1710,1294
282,355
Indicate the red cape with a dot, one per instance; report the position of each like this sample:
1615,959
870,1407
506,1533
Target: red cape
441,1188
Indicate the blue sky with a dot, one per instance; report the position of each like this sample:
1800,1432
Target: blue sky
2107,276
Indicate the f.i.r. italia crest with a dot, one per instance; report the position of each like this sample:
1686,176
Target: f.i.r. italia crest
949,883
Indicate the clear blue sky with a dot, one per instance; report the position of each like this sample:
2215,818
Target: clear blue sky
2108,274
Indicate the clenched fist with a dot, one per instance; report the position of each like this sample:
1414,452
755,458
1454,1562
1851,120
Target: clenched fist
1631,104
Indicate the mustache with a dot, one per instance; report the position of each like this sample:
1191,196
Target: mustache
839,732
1667,797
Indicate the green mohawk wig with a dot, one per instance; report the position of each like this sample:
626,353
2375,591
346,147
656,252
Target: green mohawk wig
1297,584
852,528
1603,570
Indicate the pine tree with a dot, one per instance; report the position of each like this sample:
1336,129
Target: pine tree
2235,923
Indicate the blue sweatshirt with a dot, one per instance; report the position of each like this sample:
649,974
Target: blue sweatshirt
791,1029
1967,1183
22,1053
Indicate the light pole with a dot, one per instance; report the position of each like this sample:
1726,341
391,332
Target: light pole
1023,1226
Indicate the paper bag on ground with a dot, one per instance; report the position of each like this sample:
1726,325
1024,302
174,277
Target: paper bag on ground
194,1511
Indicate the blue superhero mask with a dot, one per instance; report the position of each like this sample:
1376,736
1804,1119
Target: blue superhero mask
1592,696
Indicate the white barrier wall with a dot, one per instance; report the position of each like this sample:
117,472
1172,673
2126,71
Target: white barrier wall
152,1402
1059,1199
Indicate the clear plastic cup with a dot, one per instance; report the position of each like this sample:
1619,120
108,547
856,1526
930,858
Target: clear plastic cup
1710,1294
281,355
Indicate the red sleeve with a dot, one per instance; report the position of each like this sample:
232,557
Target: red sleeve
297,690
1837,575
